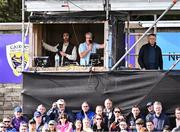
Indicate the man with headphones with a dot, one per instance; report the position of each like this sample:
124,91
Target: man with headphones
88,47
66,50
150,55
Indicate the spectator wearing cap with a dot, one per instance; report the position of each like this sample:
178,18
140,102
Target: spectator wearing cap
7,122
42,109
51,126
38,119
18,118
140,125
150,109
159,119
2,127
85,112
133,116
32,125
63,124
59,108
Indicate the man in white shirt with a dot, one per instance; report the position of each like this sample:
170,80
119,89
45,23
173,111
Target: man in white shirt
66,50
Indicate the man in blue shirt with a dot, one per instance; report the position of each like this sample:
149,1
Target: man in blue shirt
88,47
85,113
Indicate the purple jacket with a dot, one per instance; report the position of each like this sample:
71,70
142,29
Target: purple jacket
16,122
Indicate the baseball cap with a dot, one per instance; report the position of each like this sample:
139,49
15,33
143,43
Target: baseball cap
149,104
60,101
37,114
18,109
52,122
139,121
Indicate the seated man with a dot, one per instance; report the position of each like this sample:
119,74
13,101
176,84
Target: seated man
88,47
66,50
7,122
133,116
159,119
58,109
85,113
18,118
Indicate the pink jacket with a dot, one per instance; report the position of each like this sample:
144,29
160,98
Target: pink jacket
64,128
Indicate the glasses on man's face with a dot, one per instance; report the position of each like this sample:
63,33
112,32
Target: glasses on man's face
2,127
86,106
6,121
117,112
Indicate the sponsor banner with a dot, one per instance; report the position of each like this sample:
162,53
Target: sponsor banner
170,44
11,58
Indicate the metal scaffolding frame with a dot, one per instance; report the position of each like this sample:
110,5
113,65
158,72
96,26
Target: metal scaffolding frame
127,52
106,5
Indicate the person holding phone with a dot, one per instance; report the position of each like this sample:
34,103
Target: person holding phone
88,47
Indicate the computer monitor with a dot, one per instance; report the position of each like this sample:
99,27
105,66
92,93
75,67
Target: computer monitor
41,61
95,59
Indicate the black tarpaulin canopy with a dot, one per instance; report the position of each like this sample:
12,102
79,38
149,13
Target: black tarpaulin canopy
125,88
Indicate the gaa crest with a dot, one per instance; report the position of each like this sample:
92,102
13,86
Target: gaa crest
14,57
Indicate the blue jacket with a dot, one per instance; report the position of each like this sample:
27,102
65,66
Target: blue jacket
81,116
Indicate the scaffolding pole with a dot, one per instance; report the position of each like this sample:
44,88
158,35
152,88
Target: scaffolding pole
23,28
119,61
106,36
128,40
172,67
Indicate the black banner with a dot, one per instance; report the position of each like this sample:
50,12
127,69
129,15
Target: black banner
125,88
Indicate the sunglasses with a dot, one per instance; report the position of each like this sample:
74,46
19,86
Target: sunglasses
98,119
117,112
63,118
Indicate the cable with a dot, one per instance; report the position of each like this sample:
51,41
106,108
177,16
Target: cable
76,5
73,24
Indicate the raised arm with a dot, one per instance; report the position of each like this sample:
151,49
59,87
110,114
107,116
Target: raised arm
49,47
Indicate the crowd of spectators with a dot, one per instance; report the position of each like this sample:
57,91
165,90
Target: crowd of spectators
105,118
